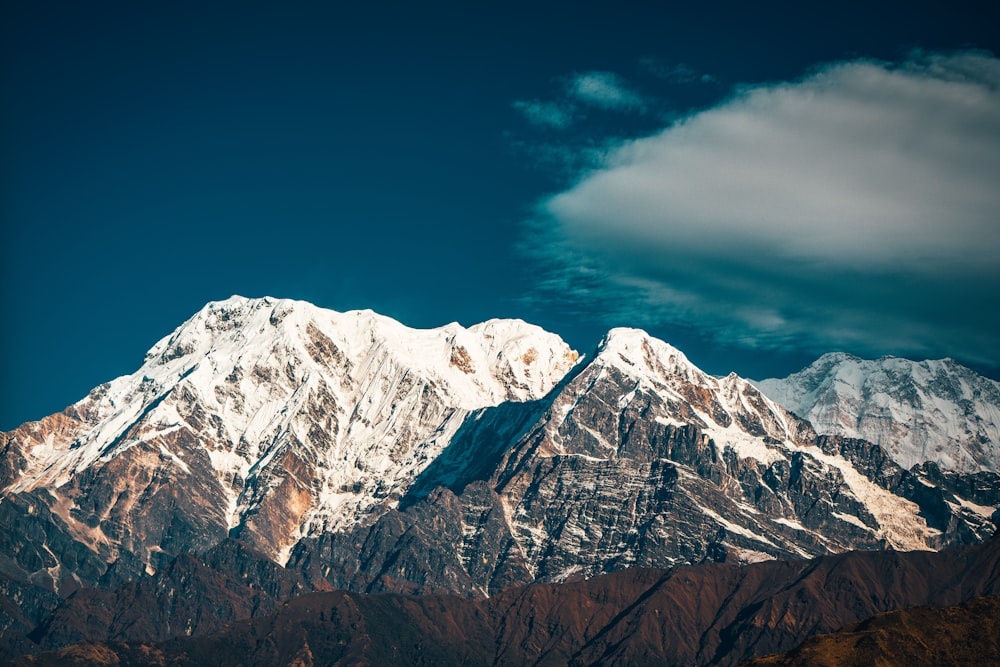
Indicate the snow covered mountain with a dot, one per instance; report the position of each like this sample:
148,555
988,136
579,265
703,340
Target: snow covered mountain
370,456
921,411
267,419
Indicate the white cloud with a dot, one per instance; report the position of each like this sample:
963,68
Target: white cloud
858,207
545,114
605,90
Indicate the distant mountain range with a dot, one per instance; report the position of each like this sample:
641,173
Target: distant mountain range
269,448
917,411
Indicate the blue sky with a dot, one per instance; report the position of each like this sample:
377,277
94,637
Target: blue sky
756,185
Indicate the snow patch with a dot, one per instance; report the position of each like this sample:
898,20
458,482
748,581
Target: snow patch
791,524
982,510
850,518
745,445
735,528
176,460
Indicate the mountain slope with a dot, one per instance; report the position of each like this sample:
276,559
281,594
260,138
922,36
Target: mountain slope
190,596
920,411
966,634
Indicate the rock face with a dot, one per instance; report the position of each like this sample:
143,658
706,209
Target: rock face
190,596
716,614
936,411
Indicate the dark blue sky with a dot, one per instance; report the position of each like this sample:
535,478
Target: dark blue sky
393,156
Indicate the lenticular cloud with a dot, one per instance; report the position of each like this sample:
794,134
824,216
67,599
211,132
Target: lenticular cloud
856,207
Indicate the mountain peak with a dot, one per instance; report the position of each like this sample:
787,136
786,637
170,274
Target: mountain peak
729,409
636,351
836,358
302,415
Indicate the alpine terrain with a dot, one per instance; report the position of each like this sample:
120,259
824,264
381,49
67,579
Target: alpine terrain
268,448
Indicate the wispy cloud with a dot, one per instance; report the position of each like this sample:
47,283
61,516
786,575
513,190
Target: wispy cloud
605,90
545,114
856,208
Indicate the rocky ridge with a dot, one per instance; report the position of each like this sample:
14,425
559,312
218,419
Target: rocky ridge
965,634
